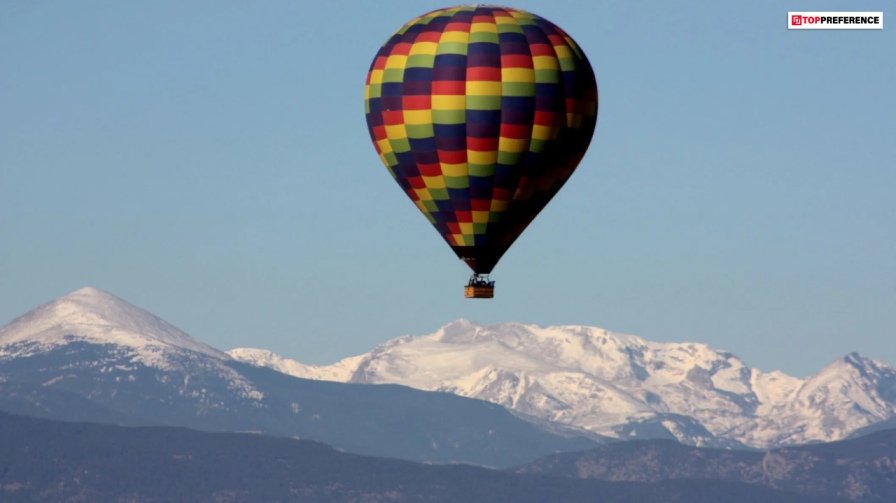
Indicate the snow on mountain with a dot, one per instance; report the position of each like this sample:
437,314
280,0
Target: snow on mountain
339,372
133,335
91,356
131,338
93,315
850,393
620,385
574,377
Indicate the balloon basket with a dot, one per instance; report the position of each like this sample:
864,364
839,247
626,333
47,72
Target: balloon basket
479,292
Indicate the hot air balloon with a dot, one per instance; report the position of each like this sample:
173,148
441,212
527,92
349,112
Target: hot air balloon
481,114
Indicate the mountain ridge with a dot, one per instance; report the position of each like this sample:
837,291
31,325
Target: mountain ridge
621,385
65,461
572,380
92,356
861,469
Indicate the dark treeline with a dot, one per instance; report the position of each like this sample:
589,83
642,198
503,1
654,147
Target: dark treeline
43,460
863,468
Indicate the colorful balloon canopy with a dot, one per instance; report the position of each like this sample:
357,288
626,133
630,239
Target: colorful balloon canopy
481,114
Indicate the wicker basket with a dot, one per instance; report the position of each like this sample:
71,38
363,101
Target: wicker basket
479,292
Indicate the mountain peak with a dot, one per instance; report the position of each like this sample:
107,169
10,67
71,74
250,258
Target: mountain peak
851,364
90,304
99,317
89,291
460,330
858,361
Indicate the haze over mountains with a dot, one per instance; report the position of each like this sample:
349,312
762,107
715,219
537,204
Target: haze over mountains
620,385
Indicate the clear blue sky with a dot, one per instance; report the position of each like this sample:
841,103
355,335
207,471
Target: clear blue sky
210,162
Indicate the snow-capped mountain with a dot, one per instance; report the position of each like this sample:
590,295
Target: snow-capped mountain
132,337
96,352
620,385
91,356
93,315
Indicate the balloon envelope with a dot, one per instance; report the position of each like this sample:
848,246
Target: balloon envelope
481,114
